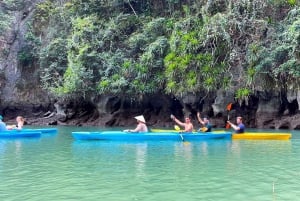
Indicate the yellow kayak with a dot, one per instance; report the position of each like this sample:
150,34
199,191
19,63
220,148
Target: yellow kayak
262,136
245,136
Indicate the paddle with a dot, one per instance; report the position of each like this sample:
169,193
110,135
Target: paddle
228,108
204,129
177,128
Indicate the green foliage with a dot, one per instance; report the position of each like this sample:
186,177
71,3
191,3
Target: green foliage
53,63
292,2
194,64
7,9
29,51
134,47
143,74
243,94
284,2
74,81
156,27
13,4
43,11
5,20
281,60
78,77
6,13
113,75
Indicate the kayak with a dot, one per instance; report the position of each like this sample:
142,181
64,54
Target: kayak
156,130
42,130
246,136
11,134
159,136
262,136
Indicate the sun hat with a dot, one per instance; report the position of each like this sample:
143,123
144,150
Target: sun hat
140,118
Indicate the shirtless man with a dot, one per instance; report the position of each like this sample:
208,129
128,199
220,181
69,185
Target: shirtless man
188,126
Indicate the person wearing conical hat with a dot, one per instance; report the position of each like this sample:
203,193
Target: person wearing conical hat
141,127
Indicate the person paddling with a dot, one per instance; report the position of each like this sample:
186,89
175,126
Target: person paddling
141,127
188,126
2,124
240,127
20,123
205,123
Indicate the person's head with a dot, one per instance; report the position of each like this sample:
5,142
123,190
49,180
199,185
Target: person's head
20,119
205,119
187,120
239,120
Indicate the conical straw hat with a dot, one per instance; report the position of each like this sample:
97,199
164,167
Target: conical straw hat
140,118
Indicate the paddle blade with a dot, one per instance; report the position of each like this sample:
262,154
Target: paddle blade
204,129
229,106
227,126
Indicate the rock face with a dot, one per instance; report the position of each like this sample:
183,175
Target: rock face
19,91
119,112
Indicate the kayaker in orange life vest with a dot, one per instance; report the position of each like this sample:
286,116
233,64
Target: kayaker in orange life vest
188,126
240,127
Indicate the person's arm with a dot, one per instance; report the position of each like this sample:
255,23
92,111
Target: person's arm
20,125
235,127
137,129
177,121
199,118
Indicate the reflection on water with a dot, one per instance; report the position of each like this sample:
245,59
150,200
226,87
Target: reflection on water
204,148
184,149
141,157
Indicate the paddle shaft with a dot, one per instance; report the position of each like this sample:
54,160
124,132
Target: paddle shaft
227,124
177,128
181,136
228,110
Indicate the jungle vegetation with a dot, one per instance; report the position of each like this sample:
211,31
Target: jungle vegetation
140,47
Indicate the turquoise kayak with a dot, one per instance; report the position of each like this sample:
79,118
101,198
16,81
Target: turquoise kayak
159,136
42,130
11,134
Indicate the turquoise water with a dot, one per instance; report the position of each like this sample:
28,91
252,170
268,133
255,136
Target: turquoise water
56,167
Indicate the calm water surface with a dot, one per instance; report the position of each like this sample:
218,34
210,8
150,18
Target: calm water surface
56,167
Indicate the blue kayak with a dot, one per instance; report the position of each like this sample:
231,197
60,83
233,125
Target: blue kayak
127,136
42,130
11,134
